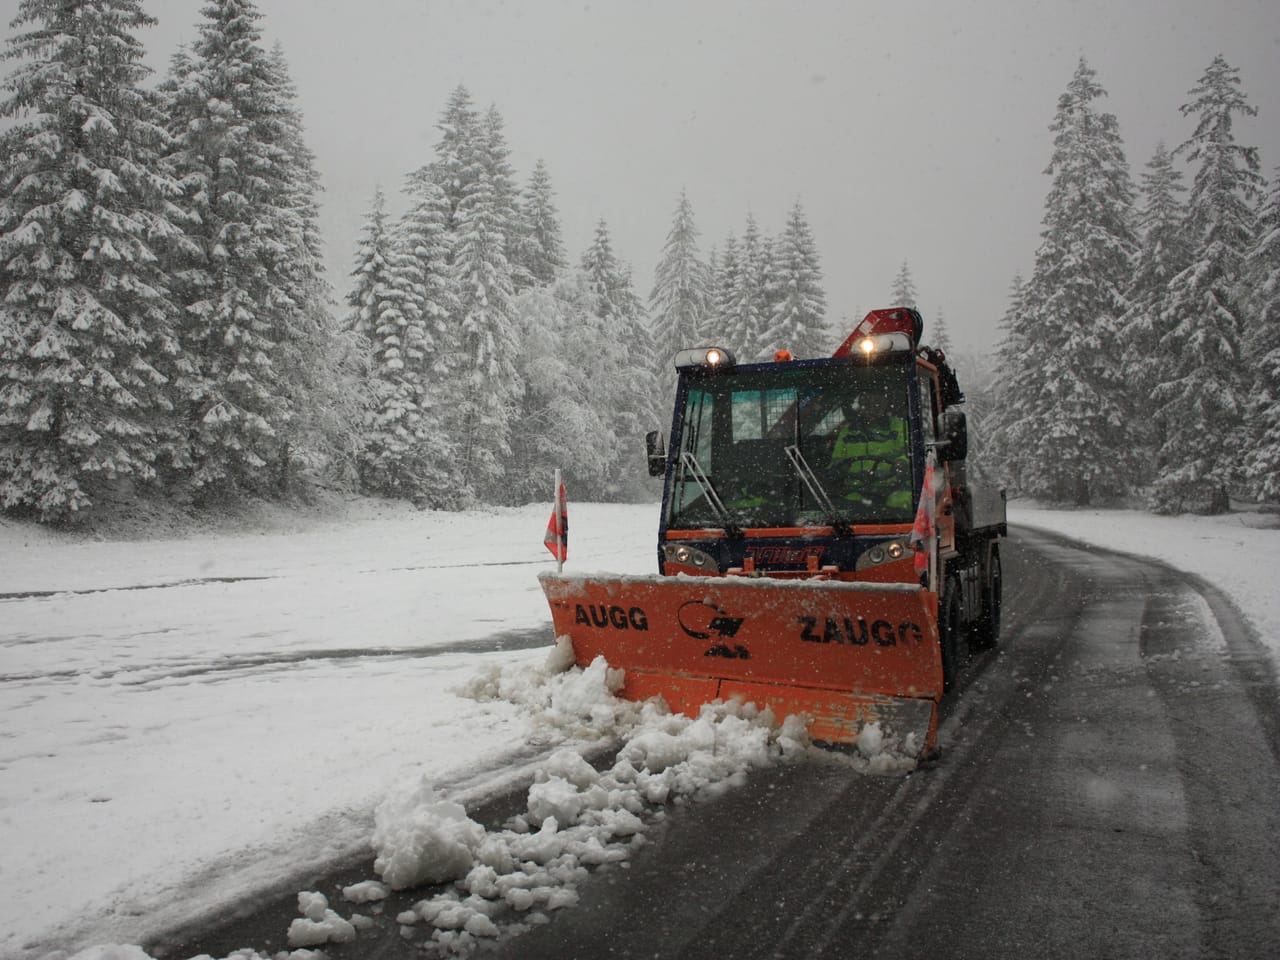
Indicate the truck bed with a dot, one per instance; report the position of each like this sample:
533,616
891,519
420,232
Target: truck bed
988,505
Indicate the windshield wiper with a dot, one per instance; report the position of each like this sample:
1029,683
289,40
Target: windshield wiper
829,511
694,468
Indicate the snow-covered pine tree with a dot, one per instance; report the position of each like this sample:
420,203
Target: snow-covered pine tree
539,253
772,294
318,360
1080,421
405,451
85,315
709,317
1262,467
370,278
724,281
680,301
496,157
562,422
485,387
625,363
799,308
1007,428
424,238
747,323
1013,333
602,270
243,335
453,168
647,408
1163,253
383,314
940,337
903,292
1203,384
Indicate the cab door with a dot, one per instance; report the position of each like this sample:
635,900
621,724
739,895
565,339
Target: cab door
930,416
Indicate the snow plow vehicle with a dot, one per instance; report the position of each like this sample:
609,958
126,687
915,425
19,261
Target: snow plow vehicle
820,549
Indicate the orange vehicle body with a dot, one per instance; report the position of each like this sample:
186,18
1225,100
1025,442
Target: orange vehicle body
798,602
843,653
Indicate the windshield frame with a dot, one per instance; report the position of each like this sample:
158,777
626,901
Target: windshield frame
716,442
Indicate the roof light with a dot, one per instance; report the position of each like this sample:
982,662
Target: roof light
707,358
882,343
884,331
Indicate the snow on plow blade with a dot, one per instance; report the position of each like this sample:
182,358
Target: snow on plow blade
846,654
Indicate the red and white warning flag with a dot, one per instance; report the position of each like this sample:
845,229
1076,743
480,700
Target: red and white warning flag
557,538
923,537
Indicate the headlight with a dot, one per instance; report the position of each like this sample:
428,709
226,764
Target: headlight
882,553
689,557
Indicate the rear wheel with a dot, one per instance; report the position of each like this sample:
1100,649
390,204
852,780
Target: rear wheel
949,631
986,630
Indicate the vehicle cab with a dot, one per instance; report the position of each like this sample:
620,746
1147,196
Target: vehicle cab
804,468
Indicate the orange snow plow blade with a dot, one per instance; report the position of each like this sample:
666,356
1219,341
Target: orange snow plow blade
845,654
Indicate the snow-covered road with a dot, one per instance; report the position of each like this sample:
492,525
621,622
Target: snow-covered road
164,750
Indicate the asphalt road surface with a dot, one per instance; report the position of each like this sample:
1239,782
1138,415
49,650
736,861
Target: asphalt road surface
1109,787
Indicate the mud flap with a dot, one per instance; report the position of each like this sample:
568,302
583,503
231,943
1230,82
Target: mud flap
845,654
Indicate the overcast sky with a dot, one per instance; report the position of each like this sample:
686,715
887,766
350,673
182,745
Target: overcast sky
912,131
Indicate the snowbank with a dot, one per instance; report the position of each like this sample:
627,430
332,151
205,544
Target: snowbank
1239,553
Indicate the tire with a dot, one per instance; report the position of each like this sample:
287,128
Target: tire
986,630
949,632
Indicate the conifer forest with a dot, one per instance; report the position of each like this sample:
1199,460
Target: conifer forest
168,331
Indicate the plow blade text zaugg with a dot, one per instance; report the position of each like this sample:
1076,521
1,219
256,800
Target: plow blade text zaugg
845,654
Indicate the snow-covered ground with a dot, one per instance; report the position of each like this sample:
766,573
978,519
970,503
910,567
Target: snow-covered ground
241,717
1238,553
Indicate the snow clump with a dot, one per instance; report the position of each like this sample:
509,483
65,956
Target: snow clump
577,817
367,891
318,924
883,752
422,839
563,700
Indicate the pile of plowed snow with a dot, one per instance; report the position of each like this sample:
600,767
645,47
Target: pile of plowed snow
501,882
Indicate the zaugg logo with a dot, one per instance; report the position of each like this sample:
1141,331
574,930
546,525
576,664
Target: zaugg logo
605,615
703,621
779,554
858,632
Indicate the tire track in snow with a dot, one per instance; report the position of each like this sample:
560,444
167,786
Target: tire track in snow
192,582
521,638
205,581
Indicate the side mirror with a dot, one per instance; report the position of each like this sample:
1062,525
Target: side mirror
955,436
657,452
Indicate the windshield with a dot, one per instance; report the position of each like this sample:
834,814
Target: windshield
850,456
